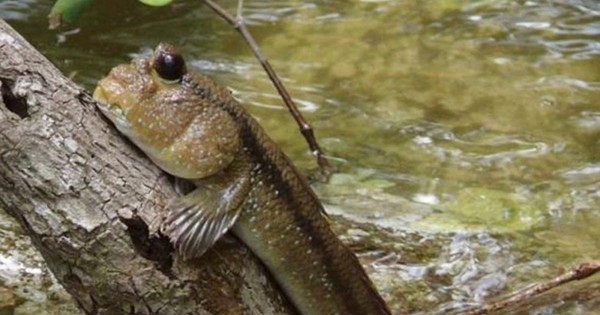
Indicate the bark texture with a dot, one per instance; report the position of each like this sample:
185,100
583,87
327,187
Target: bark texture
86,197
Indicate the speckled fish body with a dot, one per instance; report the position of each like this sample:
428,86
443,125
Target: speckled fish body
196,130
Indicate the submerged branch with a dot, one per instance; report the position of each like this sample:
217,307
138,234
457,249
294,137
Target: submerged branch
580,272
239,24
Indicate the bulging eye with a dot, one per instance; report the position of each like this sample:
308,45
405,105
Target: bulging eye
168,63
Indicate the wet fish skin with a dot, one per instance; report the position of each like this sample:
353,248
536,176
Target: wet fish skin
245,184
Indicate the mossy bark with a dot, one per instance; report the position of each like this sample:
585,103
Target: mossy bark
87,197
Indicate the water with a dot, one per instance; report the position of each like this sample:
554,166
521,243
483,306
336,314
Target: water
465,133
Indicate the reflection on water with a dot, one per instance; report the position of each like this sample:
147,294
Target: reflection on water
20,10
468,130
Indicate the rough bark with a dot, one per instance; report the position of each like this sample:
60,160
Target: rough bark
86,197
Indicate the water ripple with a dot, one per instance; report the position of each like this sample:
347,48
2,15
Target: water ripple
569,29
576,48
19,10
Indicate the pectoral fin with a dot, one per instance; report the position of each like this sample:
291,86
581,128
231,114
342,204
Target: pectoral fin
197,220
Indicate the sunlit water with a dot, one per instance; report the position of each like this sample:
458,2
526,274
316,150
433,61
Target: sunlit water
465,133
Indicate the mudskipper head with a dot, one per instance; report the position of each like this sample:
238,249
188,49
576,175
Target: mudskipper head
153,103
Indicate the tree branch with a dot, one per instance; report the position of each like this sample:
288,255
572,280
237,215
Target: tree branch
86,197
580,272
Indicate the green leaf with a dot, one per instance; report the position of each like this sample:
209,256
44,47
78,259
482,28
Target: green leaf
69,10
156,3
66,10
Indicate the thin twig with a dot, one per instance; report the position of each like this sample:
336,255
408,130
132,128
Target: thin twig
240,25
240,9
582,271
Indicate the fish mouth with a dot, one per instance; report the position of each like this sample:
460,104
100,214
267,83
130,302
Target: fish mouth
108,106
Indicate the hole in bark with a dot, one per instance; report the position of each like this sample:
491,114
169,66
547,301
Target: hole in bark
157,249
17,105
